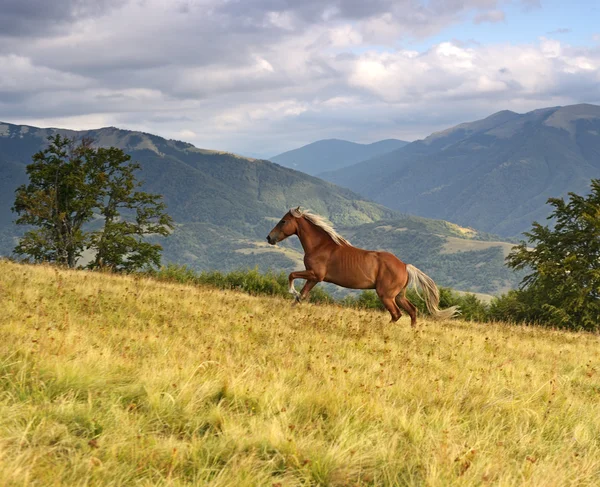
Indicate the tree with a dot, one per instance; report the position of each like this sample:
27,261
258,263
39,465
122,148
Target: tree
59,199
120,244
69,186
563,287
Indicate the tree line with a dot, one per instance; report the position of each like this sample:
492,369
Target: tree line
86,200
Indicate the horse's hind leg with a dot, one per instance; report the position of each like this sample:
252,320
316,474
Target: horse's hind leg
410,308
390,305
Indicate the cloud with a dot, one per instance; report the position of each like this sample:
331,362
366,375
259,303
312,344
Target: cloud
449,71
20,76
263,75
37,18
187,134
560,31
531,4
492,16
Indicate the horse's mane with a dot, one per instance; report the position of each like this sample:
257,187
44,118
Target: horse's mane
320,222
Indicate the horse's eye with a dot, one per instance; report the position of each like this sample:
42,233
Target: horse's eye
282,222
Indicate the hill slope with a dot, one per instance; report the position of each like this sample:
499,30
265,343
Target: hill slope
332,154
493,174
122,381
224,205
217,197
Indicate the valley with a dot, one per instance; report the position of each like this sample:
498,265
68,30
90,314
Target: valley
224,205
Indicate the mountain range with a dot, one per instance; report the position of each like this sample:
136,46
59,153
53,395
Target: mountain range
494,174
224,205
333,154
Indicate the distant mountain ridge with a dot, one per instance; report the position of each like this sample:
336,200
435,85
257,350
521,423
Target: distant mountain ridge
494,174
224,205
331,154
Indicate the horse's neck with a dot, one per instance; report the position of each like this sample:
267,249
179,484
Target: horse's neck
312,237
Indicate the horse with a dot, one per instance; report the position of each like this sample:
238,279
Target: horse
331,258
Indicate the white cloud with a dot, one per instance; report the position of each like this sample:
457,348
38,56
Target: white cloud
187,134
345,36
449,70
77,122
282,20
19,75
383,29
245,117
550,48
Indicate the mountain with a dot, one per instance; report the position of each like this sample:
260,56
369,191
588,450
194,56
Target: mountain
494,174
224,205
332,154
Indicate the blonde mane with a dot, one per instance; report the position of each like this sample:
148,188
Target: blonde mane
320,222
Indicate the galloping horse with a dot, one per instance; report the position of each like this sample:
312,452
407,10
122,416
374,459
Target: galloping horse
331,258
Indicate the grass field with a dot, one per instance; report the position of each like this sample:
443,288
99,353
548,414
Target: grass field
108,380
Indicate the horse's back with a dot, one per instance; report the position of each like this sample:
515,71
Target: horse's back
390,258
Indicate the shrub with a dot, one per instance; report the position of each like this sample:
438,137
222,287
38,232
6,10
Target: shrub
253,282
250,281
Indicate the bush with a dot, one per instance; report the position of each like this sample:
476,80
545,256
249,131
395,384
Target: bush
472,309
175,273
364,300
251,281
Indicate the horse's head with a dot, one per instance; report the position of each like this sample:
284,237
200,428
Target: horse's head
287,226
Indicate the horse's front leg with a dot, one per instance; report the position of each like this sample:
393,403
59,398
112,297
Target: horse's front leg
308,285
310,277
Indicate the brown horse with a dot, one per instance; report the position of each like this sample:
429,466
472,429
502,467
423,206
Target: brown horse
331,258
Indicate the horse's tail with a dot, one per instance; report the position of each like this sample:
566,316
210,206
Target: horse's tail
431,292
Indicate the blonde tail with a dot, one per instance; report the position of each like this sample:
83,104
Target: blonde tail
431,292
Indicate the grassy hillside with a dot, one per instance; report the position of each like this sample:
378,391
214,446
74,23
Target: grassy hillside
332,154
494,174
108,380
224,206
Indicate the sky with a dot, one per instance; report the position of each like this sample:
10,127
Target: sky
259,77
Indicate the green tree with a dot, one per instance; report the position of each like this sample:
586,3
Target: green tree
563,286
120,244
70,185
58,200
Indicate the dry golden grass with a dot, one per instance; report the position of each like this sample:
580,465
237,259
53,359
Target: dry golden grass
107,380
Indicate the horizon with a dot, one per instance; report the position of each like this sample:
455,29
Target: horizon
261,78
217,149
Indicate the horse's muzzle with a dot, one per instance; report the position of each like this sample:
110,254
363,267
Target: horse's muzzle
272,241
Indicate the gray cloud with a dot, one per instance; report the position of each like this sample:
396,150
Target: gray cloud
265,75
40,17
309,10
492,16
